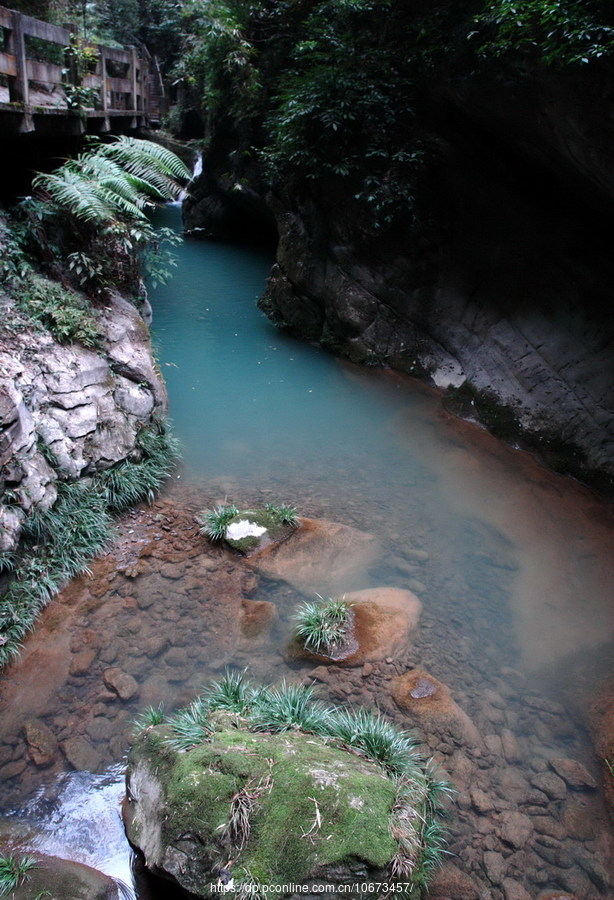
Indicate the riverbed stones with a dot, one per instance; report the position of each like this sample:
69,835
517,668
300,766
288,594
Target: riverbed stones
551,785
430,704
81,754
451,883
41,743
515,829
257,617
574,773
513,890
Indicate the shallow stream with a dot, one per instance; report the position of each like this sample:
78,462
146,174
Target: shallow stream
513,565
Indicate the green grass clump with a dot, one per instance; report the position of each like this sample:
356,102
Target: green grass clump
14,872
285,515
214,523
288,707
69,316
321,626
191,726
128,483
373,736
232,693
149,718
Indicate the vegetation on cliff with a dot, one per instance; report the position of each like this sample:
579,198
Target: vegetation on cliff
330,96
83,234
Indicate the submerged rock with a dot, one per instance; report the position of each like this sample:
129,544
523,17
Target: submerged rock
54,877
41,743
430,703
323,556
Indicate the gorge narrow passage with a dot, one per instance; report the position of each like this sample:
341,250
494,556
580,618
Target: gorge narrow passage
512,563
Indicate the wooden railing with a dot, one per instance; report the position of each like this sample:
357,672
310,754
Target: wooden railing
31,89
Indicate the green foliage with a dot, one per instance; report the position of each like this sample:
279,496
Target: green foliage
321,626
233,693
116,181
67,315
190,727
149,718
374,737
14,872
58,543
559,32
93,211
219,60
13,263
285,515
130,482
214,523
82,59
288,707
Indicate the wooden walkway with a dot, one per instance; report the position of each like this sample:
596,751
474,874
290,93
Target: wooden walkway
39,96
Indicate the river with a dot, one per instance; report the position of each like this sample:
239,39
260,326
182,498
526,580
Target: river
513,565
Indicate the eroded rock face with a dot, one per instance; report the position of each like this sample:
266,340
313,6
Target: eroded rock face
67,410
316,812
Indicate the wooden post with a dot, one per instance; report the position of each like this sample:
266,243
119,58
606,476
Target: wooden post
134,80
19,92
104,97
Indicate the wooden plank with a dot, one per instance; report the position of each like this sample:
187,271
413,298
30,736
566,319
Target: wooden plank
122,56
119,85
46,32
42,71
8,65
6,20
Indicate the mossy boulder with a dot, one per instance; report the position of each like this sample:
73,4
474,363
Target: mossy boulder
252,530
315,812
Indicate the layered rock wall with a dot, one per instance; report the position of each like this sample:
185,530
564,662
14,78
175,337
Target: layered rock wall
67,411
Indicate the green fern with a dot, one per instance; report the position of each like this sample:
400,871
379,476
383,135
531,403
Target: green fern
115,181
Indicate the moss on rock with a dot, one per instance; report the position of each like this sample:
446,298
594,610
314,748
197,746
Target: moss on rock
312,806
265,526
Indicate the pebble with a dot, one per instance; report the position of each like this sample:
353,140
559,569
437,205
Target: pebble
124,685
553,786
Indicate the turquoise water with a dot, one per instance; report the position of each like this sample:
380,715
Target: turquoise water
242,392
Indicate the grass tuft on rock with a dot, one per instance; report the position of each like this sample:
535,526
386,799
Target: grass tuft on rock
214,523
321,625
235,706
14,872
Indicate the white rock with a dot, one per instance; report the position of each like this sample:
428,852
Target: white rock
242,529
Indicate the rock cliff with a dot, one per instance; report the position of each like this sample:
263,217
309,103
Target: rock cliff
500,291
67,411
